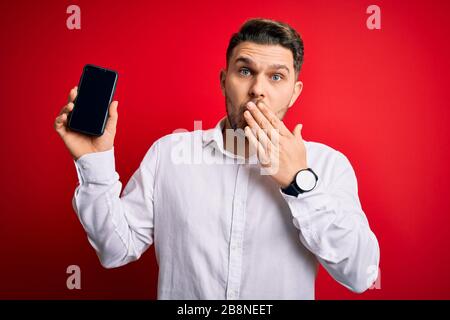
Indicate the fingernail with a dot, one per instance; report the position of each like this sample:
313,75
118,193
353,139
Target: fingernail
251,105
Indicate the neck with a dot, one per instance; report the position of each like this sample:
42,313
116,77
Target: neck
232,141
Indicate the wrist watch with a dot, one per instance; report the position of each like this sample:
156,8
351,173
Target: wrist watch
305,180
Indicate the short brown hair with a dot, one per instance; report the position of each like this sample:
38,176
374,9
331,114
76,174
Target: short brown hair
265,31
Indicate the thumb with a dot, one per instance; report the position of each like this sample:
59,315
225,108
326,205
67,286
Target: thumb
298,131
113,116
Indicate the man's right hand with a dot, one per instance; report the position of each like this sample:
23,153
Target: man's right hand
80,144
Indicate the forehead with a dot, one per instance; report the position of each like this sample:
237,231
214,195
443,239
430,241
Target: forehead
263,54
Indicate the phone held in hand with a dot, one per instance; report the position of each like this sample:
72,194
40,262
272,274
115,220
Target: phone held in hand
95,92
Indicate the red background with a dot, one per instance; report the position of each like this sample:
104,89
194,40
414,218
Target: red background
379,96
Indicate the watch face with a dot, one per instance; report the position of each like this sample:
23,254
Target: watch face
306,180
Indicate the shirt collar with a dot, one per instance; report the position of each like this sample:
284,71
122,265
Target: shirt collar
215,138
214,134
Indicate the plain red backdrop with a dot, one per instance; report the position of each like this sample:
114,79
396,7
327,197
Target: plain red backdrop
379,96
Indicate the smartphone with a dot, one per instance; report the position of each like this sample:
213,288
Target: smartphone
95,92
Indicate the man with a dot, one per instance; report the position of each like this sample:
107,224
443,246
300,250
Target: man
251,211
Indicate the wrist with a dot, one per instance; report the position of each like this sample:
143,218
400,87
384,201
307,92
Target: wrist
290,177
305,180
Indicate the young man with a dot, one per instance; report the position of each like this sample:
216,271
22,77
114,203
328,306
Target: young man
246,210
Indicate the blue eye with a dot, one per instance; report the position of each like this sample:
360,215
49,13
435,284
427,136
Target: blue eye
244,71
276,75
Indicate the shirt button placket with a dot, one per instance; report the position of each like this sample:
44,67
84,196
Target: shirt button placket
237,234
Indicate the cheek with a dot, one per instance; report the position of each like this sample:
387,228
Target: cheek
280,99
236,88
283,95
281,113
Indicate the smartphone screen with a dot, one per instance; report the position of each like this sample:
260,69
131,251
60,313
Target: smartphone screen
95,92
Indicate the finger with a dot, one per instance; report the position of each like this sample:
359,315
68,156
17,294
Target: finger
264,141
298,131
67,108
72,94
60,124
274,149
112,117
260,134
273,119
256,144
262,121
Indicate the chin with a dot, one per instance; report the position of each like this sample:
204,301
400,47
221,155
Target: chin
239,124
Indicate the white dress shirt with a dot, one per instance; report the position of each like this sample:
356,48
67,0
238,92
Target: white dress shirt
221,229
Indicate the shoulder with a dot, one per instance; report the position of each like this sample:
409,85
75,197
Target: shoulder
327,160
320,150
177,141
177,138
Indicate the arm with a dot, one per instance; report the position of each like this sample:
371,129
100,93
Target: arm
330,219
119,228
335,229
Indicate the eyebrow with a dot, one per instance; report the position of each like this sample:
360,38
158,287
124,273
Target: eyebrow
251,62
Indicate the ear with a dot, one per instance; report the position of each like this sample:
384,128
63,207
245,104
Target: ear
222,77
298,87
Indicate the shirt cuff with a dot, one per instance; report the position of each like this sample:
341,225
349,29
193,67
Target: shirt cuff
305,204
96,166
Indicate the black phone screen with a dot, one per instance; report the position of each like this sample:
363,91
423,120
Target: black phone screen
95,92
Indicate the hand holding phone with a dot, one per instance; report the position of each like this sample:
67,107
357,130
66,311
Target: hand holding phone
79,143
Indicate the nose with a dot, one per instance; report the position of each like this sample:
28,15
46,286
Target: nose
256,91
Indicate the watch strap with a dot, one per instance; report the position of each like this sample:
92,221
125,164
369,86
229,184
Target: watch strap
292,190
